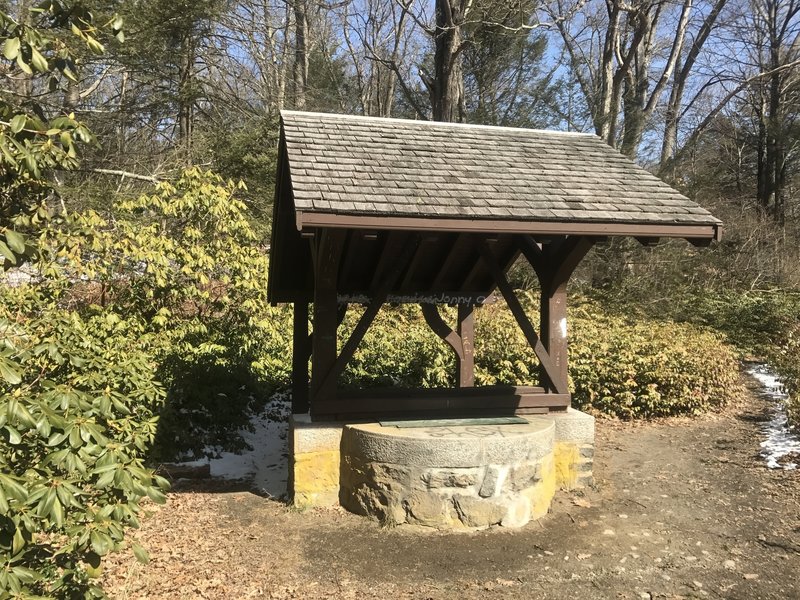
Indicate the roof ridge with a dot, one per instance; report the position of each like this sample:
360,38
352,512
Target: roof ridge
434,123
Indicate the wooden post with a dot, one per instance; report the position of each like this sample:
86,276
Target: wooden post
301,350
466,332
326,315
554,265
553,330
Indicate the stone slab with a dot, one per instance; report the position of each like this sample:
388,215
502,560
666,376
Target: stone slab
450,447
309,436
573,426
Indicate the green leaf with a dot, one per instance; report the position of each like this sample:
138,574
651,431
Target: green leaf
15,240
13,489
7,253
27,575
8,373
14,436
23,65
140,553
18,542
18,123
11,48
38,61
101,543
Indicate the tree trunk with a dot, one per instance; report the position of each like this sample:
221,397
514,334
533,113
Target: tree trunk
669,142
447,87
300,69
186,97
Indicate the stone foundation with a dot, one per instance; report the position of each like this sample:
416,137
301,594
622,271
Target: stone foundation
449,477
465,477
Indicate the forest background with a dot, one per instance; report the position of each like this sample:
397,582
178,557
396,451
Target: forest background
137,159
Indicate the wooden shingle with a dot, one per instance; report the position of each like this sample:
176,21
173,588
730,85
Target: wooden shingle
350,165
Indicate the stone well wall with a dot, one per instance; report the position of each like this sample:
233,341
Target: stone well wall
449,477
403,482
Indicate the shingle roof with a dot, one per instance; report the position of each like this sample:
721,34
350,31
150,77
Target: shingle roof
391,167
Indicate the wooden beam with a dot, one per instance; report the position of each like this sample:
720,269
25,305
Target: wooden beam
351,253
434,320
460,341
554,264
568,256
301,350
484,391
391,247
420,255
305,220
528,330
388,413
449,401
447,263
533,252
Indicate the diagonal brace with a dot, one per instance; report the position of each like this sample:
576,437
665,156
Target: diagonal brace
379,297
555,382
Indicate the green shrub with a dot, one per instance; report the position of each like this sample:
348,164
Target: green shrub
762,324
647,368
637,369
186,261
78,400
171,290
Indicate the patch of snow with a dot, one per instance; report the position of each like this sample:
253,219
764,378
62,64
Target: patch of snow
266,465
780,440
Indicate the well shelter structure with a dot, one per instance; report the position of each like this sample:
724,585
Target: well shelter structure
372,211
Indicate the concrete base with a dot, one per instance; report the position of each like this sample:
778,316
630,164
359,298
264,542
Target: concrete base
446,477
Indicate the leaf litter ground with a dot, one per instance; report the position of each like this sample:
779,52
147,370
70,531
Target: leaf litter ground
682,509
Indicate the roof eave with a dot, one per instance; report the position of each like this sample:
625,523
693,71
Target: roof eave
711,230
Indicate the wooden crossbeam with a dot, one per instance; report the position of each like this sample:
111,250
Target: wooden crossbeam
489,400
522,320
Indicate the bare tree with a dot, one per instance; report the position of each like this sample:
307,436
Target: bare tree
624,56
376,36
775,98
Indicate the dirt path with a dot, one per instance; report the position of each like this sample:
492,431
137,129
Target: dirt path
682,509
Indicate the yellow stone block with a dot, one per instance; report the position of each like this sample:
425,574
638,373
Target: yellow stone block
316,478
541,495
567,457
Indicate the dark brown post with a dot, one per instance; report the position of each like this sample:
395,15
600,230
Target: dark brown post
326,319
554,264
301,350
553,329
466,331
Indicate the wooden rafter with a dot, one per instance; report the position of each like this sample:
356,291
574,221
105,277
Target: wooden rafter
447,264
391,246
